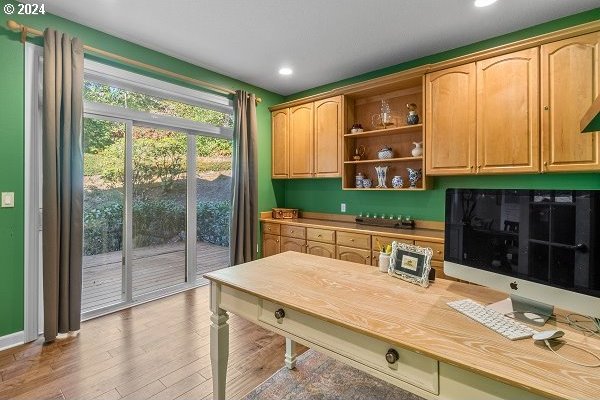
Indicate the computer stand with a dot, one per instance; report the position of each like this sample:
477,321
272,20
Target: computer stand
524,309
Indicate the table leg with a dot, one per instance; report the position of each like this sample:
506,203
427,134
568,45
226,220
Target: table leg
290,353
219,343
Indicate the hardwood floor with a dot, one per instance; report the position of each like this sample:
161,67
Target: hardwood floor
157,350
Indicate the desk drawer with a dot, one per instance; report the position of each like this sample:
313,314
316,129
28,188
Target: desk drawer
320,235
438,249
357,240
273,229
413,368
298,232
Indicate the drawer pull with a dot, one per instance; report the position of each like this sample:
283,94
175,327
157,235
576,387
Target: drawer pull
352,240
391,356
439,252
319,235
291,231
279,314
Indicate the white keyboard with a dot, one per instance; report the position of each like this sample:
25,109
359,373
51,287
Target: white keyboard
507,327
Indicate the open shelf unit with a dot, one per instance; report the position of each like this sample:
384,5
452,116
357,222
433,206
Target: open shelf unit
361,105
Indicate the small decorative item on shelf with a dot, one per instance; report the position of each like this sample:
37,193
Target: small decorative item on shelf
381,176
384,118
359,180
412,118
397,182
366,183
359,153
418,150
284,213
356,128
413,177
385,153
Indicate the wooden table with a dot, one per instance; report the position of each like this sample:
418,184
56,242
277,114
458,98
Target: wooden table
356,314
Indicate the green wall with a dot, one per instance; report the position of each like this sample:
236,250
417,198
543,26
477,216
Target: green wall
325,195
11,141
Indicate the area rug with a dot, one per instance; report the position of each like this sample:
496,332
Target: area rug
320,377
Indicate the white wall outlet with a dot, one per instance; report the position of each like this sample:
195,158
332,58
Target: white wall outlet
343,207
8,199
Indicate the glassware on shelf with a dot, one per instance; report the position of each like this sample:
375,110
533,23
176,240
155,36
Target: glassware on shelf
384,118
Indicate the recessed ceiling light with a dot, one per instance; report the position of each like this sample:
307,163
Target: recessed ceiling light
285,71
484,3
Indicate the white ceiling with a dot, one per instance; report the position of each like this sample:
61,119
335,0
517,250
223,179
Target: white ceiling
322,40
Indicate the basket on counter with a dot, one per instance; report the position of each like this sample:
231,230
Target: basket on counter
285,213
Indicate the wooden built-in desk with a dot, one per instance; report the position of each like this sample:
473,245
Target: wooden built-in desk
356,314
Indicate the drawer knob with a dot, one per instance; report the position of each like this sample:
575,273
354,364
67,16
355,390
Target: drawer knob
292,231
352,240
392,356
319,235
279,314
439,252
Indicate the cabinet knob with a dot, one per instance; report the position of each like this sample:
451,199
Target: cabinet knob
292,231
280,313
352,240
277,240
392,356
546,108
268,229
439,252
319,235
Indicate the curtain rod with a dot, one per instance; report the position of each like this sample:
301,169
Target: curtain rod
26,30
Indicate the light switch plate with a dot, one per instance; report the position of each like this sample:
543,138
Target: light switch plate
8,199
343,207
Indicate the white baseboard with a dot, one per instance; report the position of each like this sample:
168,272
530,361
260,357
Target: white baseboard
12,340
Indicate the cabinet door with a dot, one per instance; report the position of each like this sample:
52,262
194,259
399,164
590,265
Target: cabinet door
293,244
450,132
570,72
270,245
328,137
354,255
279,144
320,249
508,134
301,148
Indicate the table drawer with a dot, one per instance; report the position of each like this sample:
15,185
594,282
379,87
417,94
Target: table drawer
413,368
273,229
438,249
358,240
320,235
293,231
383,240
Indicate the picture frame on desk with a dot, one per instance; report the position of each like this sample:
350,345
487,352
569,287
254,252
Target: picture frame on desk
411,263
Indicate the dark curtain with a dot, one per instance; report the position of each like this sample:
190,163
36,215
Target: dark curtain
62,183
244,213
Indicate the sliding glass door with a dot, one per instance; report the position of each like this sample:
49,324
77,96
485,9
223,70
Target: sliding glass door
103,275
159,209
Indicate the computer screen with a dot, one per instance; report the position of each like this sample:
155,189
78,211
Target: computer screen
534,243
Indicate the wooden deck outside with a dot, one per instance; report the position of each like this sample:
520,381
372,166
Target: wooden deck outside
153,268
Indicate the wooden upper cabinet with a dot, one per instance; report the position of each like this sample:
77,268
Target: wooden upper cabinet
508,113
328,137
570,73
450,121
279,145
301,143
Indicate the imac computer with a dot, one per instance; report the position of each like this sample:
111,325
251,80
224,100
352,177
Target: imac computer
540,246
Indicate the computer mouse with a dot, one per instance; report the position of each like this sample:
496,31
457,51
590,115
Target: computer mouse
547,335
